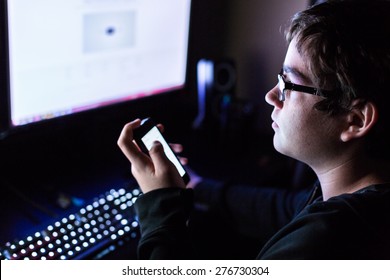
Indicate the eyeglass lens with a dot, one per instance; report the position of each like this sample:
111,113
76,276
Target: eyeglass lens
281,86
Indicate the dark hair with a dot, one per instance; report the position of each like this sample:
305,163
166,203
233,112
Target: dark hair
346,47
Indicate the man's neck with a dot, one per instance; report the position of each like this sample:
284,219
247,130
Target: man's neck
351,176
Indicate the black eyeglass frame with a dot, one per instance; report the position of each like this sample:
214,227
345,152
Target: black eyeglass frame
295,87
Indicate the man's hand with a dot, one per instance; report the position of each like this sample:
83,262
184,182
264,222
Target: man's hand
153,172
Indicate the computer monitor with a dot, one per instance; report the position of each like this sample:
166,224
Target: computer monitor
63,57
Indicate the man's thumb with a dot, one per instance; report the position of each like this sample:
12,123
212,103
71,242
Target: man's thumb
158,156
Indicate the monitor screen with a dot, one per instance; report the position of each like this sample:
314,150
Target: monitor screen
68,56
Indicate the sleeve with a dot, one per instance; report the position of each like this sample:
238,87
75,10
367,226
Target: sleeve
163,216
254,211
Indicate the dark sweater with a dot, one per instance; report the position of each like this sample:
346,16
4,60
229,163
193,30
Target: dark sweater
299,225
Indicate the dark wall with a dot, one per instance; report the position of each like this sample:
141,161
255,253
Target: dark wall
208,34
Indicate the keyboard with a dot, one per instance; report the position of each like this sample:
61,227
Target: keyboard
101,227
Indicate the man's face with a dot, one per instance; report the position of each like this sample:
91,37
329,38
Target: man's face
301,131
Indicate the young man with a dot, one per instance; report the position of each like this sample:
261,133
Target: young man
330,112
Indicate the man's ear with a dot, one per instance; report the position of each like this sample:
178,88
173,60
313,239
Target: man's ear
359,120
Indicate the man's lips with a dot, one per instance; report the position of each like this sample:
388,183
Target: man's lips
274,124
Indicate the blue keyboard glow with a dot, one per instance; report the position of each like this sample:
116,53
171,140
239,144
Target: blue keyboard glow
97,228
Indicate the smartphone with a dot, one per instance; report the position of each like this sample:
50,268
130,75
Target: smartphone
147,134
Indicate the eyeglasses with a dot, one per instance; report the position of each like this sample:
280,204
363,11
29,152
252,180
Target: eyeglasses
283,86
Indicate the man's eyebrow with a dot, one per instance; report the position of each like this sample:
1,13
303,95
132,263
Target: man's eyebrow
296,72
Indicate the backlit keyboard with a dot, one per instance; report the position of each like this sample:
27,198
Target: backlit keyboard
96,229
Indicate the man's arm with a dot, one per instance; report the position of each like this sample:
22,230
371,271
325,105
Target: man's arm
163,216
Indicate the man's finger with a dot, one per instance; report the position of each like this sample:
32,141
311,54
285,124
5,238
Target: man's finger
126,144
160,160
177,148
160,127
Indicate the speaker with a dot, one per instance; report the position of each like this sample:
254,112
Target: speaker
216,83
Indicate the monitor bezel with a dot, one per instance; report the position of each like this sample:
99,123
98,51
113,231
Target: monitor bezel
5,121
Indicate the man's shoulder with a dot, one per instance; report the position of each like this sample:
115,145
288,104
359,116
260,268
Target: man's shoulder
351,226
